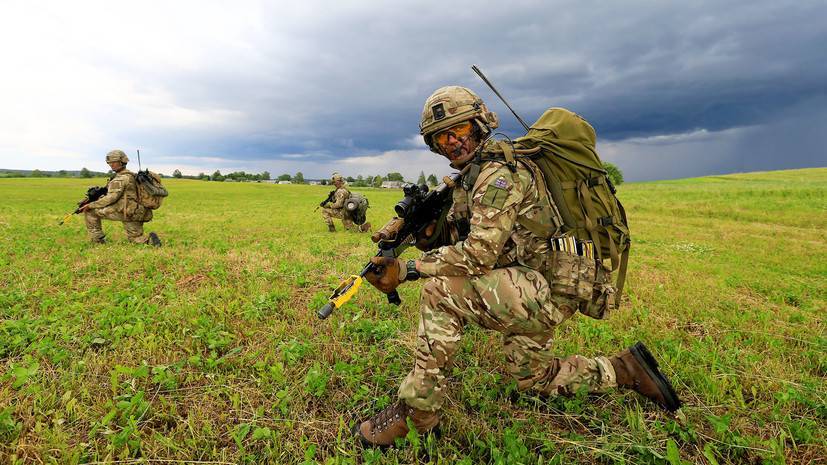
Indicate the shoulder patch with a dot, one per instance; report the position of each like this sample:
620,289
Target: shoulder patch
496,193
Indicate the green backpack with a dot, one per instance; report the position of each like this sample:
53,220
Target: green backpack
578,184
356,206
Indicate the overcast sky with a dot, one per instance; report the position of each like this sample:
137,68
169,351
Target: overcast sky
674,89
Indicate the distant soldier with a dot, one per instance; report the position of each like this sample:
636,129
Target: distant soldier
487,266
120,204
339,207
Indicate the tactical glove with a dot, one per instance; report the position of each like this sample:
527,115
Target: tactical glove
423,238
387,273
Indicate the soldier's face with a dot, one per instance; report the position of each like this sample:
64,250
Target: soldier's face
457,143
115,165
338,183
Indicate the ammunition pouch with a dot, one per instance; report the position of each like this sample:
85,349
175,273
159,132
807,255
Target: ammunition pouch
584,279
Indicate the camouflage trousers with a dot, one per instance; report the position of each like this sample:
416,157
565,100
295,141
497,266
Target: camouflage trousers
134,229
329,213
515,301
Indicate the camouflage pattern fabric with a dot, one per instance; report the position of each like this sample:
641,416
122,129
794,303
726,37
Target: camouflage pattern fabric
493,206
494,279
119,204
336,208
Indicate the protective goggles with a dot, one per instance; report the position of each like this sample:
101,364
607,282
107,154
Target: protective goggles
458,131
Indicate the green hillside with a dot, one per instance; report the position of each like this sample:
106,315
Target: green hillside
208,349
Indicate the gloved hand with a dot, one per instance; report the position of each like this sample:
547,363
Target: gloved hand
387,273
424,236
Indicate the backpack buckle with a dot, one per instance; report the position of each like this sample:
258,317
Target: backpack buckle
605,221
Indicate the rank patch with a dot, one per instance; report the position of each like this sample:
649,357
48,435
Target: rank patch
501,183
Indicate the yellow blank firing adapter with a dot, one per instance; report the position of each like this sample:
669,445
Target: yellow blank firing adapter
340,296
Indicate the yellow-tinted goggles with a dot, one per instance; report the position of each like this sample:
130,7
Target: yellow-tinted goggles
458,131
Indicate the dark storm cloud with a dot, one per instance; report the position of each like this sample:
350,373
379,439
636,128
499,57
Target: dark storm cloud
352,81
329,81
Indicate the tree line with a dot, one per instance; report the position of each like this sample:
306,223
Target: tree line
615,174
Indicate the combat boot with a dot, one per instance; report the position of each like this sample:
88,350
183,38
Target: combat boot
154,240
100,240
364,227
637,369
331,228
389,424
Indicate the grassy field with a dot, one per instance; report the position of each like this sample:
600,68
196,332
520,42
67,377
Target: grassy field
208,349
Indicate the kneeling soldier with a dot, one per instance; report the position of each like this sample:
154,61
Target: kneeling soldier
485,267
120,204
335,208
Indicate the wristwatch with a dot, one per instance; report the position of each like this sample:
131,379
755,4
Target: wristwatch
412,275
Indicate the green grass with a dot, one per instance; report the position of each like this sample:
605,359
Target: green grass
208,349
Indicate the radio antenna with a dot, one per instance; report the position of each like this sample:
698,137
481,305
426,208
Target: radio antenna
139,159
488,83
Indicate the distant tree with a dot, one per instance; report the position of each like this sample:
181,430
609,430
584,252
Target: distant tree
284,177
298,178
265,176
614,173
432,180
360,181
177,174
350,179
377,181
217,176
395,177
323,182
421,180
202,176
62,173
37,174
85,173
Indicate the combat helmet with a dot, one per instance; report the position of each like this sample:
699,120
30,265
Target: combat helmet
336,177
117,155
450,105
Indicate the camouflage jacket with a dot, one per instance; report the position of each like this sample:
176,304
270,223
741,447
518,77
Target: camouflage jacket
339,199
122,196
495,208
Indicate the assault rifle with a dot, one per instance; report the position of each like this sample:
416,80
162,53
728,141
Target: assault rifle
92,194
415,212
329,198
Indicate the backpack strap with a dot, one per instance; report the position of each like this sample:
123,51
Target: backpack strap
624,259
508,153
621,274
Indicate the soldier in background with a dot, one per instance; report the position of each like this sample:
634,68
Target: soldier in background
335,208
486,267
120,204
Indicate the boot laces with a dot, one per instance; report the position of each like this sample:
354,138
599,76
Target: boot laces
389,415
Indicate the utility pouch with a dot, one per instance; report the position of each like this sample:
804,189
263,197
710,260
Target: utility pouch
582,278
571,275
603,296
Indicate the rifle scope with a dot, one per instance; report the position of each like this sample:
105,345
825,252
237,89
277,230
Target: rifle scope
413,194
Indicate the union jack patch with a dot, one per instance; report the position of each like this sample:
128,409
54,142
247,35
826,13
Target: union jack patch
501,183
